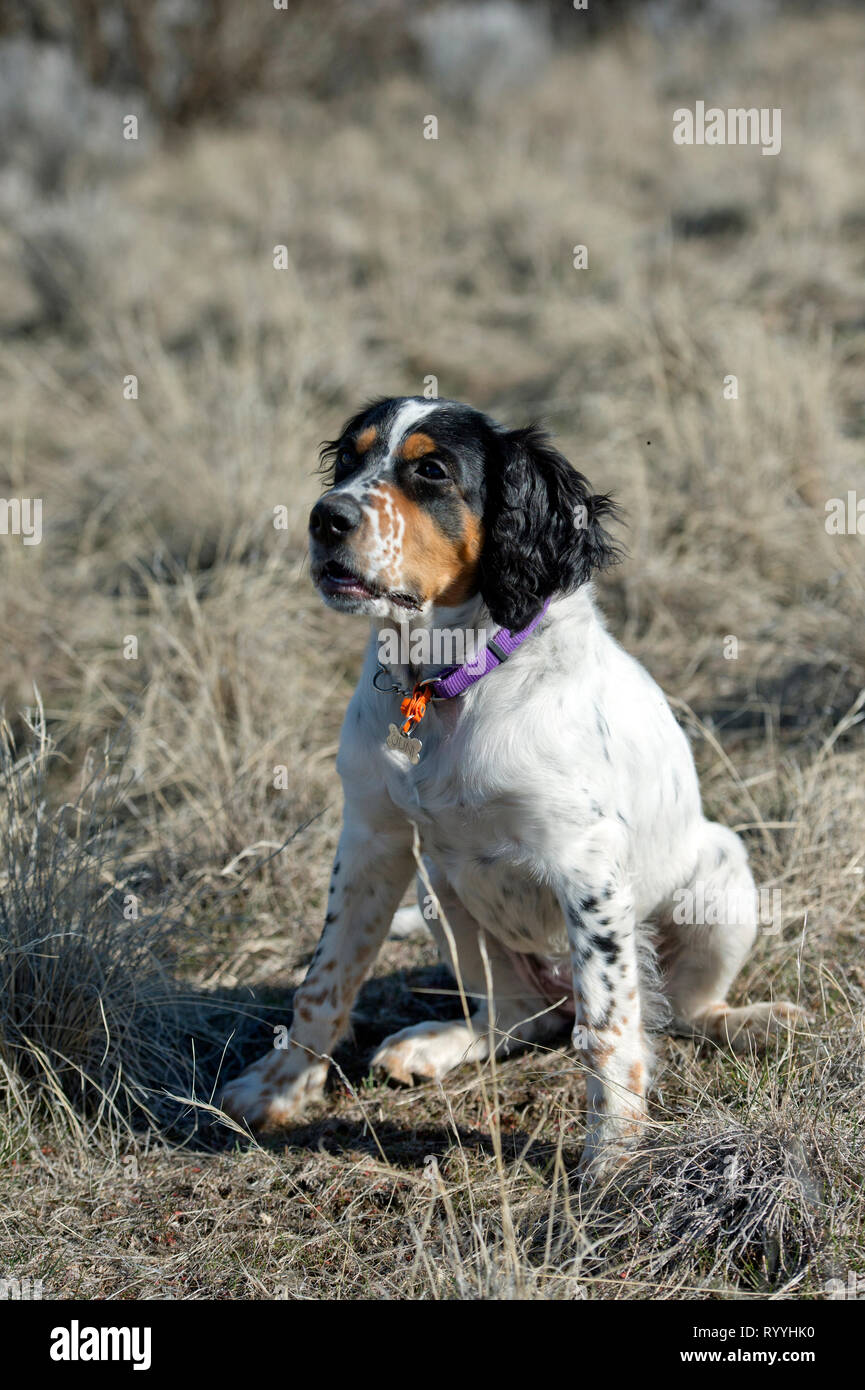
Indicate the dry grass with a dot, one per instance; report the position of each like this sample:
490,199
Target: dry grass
154,776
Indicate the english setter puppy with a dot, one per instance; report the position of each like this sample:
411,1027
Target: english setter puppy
554,794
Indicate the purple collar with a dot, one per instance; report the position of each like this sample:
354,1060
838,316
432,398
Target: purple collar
456,680
496,650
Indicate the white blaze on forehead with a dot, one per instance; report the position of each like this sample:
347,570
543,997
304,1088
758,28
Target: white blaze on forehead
407,415
387,529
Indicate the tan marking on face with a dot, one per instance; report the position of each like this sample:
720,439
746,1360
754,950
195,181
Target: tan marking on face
366,439
635,1077
379,547
416,445
468,554
417,555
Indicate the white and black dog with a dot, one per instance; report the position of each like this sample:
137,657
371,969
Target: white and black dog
554,794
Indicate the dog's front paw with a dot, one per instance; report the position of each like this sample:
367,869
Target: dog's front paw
427,1051
610,1144
599,1166
275,1090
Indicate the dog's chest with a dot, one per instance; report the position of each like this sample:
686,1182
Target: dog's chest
472,830
437,785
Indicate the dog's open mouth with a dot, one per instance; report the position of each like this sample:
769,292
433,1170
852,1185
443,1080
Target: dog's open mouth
338,581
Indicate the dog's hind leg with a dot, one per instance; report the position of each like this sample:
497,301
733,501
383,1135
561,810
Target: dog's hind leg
706,932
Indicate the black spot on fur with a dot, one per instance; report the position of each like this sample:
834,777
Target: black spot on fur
607,945
601,1023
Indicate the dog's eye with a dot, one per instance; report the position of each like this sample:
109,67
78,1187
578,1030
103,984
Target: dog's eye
344,460
428,468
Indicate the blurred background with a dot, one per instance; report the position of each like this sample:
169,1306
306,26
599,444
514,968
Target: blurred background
405,259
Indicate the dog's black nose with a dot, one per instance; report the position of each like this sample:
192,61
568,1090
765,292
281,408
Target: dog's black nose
333,518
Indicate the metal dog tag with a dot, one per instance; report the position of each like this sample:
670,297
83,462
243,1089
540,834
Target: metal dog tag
403,744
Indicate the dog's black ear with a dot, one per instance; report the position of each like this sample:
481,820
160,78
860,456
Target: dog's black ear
544,531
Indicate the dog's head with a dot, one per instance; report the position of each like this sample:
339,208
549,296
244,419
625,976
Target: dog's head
429,502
